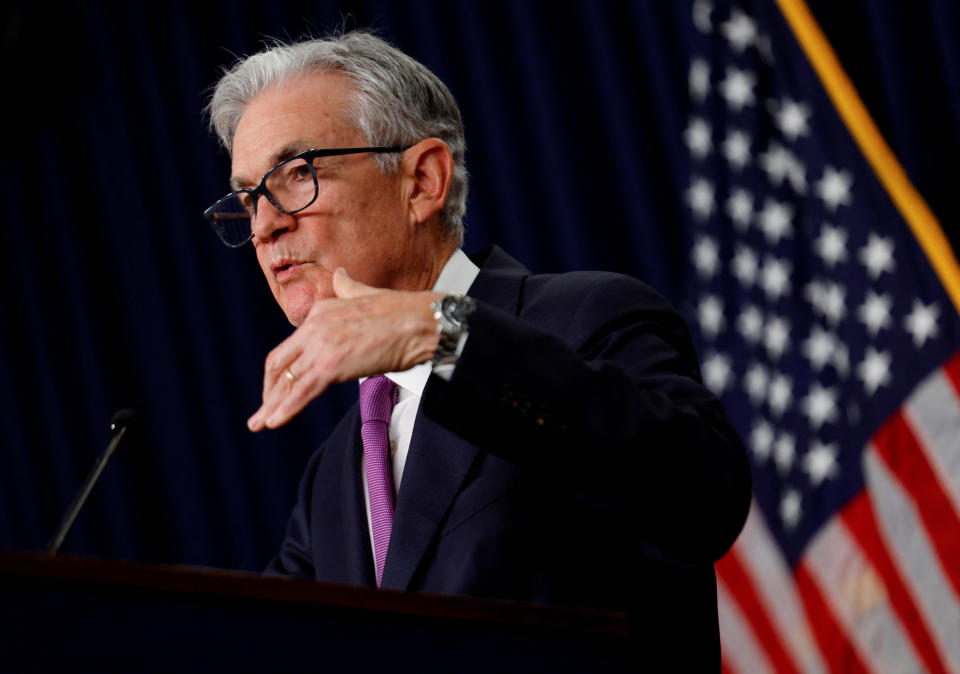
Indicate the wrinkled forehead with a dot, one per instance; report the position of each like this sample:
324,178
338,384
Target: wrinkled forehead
314,110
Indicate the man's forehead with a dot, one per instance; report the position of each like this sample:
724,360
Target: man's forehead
310,111
284,152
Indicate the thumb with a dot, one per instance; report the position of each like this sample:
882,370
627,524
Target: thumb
346,287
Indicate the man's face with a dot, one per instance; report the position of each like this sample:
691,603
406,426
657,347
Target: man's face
359,220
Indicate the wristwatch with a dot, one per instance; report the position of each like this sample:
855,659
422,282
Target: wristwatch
452,314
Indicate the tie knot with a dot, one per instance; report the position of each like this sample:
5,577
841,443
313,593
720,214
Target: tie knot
376,399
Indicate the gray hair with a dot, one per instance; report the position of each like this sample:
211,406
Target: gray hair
396,100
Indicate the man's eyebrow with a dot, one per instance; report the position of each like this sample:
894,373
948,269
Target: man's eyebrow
289,150
284,153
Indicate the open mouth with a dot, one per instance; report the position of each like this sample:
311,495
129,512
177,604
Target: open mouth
285,268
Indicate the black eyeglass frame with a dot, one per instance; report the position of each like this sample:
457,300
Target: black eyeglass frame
261,189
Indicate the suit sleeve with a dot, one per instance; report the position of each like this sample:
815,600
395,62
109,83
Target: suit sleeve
601,387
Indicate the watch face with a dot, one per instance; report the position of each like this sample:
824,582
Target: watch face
456,309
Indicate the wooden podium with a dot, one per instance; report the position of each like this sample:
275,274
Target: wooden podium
87,615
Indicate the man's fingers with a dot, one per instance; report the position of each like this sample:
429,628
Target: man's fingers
255,422
266,416
345,287
293,403
285,395
279,362
273,394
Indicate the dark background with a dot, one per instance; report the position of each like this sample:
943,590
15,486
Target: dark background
116,293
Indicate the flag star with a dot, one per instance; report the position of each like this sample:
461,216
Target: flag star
820,462
784,450
701,15
740,30
736,148
776,220
775,278
790,509
813,292
699,80
833,304
874,370
797,175
710,316
776,336
697,136
831,245
761,439
877,256
745,265
875,312
780,394
776,163
706,257
737,88
922,322
750,324
819,347
827,299
755,382
792,117
717,372
740,208
820,405
779,164
700,198
834,187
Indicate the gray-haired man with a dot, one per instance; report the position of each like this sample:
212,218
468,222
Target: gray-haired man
541,438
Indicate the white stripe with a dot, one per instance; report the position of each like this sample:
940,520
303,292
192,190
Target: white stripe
853,588
761,557
934,413
917,562
740,648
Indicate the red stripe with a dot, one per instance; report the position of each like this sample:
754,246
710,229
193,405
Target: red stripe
861,522
744,592
897,444
725,667
952,370
838,652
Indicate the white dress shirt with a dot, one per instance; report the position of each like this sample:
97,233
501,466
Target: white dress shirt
455,278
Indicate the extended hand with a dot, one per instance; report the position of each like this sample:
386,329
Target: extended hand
362,331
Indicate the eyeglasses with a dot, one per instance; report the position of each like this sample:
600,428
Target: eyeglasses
290,186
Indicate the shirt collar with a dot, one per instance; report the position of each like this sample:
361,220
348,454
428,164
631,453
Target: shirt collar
455,278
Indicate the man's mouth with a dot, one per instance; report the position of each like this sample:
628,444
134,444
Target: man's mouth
285,268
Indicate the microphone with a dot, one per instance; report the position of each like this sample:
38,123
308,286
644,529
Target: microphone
122,421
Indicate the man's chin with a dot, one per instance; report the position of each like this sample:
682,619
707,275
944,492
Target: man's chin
297,303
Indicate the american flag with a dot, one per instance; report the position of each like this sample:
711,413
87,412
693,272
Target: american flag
832,343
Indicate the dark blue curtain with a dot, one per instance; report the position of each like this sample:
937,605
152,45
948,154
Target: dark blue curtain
118,295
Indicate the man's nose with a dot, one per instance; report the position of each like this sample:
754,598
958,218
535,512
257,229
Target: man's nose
269,222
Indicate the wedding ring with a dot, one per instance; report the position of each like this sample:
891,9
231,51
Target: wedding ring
290,375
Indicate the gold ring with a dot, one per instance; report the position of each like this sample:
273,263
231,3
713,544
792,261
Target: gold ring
290,375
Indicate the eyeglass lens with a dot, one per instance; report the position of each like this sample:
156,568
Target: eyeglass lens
291,185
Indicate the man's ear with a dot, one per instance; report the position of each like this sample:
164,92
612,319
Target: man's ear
429,165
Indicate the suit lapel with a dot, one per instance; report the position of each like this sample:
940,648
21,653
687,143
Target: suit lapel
500,281
439,460
437,465
343,554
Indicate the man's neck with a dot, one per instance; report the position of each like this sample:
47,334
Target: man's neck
423,274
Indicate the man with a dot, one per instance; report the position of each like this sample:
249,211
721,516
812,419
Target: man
549,437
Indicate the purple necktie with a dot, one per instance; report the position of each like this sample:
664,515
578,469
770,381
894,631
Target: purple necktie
377,397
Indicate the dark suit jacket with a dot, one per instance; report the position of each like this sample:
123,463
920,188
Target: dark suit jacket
573,458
